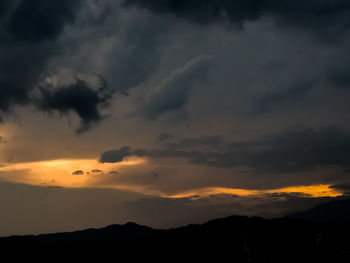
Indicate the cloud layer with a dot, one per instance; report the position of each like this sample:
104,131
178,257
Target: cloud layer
302,150
314,15
30,29
173,93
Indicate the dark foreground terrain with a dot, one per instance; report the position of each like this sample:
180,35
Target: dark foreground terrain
236,239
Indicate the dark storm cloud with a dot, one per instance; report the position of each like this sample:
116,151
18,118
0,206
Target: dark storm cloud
20,67
21,63
293,151
4,6
39,20
311,14
28,38
77,97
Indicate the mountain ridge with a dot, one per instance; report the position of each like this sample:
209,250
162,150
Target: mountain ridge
337,209
242,238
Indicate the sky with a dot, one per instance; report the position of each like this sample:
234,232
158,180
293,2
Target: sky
170,112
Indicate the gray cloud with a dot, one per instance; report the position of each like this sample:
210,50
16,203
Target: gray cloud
29,42
118,155
164,136
293,151
38,37
78,97
269,102
344,187
115,156
203,143
173,93
38,20
120,42
18,76
320,15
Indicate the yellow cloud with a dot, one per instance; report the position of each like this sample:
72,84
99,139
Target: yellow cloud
60,172
312,191
78,173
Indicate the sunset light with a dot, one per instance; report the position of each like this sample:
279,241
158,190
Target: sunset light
222,123
62,172
312,191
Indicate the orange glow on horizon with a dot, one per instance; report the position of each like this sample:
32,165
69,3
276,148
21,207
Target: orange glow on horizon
312,191
60,172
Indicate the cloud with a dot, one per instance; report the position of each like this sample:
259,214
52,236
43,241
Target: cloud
214,142
18,76
27,45
78,172
115,156
78,96
118,155
320,15
173,93
344,187
268,102
299,150
37,37
40,20
164,136
293,151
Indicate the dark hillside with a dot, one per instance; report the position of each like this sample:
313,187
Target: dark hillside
236,238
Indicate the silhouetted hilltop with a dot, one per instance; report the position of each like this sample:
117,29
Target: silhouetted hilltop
338,209
129,231
236,238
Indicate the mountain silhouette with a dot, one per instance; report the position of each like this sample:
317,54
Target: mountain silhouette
338,209
236,238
